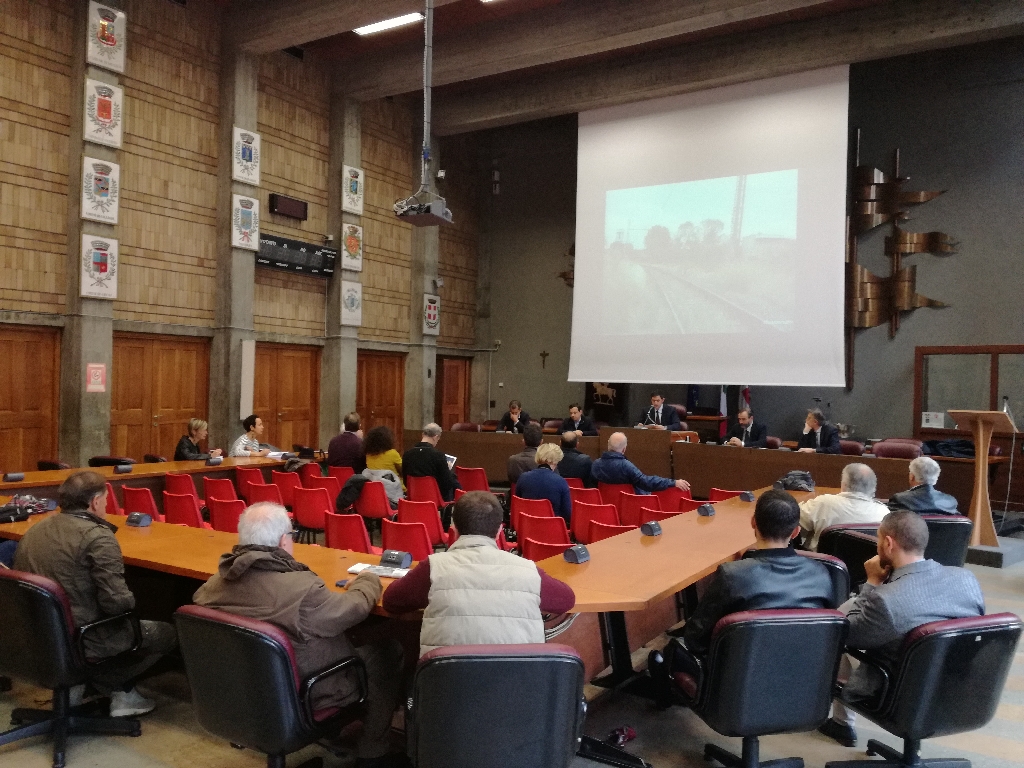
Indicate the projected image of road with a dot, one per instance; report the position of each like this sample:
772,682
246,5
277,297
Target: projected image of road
707,256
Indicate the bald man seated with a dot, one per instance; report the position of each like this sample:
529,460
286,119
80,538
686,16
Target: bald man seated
614,468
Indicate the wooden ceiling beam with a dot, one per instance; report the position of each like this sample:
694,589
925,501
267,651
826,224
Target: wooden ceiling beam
890,29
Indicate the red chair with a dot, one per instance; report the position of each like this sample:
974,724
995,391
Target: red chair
459,493
222,489
140,500
599,531
717,494
500,538
670,497
183,509
582,514
550,530
287,482
112,507
246,476
541,550
535,507
372,501
689,505
647,515
330,484
407,537
610,492
180,483
341,474
585,495
425,512
266,492
310,506
472,478
630,505
424,489
573,482
307,471
224,514
348,532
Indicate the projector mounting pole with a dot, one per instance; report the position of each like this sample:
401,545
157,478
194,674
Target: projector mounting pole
428,66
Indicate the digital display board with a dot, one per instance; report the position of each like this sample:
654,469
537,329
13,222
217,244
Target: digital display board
295,256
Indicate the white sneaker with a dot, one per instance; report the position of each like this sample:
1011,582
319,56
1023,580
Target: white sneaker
130,704
76,695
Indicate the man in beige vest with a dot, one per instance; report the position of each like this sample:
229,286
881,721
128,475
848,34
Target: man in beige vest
475,593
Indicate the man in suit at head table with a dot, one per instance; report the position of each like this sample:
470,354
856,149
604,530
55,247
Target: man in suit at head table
659,415
578,423
819,436
745,433
515,419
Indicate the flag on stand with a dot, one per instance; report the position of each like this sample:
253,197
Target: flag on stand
744,400
723,410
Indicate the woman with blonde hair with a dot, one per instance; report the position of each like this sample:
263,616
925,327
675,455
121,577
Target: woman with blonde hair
544,482
188,446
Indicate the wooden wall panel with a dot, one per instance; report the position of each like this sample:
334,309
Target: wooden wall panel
459,243
28,396
387,145
289,303
35,39
169,164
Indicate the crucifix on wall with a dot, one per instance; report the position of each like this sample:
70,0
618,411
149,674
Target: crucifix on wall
544,359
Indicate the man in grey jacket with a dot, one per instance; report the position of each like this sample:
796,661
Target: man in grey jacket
922,497
903,591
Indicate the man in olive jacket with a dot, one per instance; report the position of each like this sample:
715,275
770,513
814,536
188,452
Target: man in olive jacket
260,579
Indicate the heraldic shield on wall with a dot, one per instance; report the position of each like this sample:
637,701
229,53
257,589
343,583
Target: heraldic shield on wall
104,109
245,157
245,222
99,267
351,303
431,315
101,190
352,248
106,31
353,188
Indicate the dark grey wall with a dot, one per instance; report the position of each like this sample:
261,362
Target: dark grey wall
957,117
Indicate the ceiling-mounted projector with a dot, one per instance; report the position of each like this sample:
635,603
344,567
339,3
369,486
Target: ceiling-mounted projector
420,214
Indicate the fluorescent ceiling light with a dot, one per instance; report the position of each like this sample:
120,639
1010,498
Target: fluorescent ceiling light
380,26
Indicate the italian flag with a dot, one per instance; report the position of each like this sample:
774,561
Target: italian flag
723,410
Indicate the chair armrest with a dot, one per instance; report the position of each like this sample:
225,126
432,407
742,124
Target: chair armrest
306,691
873,661
127,616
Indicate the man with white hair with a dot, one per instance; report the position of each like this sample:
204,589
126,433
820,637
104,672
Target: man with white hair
855,503
922,496
259,578
613,467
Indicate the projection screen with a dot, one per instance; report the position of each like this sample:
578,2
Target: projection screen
710,236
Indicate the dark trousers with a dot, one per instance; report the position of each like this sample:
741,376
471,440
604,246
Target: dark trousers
120,673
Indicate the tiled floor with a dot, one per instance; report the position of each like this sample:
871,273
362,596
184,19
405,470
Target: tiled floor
171,738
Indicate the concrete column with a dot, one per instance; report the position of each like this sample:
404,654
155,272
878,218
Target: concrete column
338,360
88,326
236,267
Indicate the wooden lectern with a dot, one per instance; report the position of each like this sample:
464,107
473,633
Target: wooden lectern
982,424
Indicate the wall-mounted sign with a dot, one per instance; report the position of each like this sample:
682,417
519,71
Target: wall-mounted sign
95,377
351,303
352,248
245,222
295,256
104,110
99,267
431,314
245,157
106,30
353,183
101,190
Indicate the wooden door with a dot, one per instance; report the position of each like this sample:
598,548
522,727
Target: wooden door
286,394
158,383
451,395
29,386
380,391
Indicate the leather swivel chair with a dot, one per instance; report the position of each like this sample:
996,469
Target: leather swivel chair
837,572
852,543
39,643
949,536
947,679
742,690
851,448
465,426
896,449
110,461
246,686
492,706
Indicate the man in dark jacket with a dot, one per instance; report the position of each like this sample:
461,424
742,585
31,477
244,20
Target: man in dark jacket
260,579
77,549
574,463
819,436
346,448
772,575
922,496
746,433
522,462
515,419
578,423
613,467
424,460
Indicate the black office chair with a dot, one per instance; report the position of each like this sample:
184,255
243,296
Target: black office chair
947,679
492,706
39,643
49,465
110,461
853,544
949,536
742,689
246,686
152,458
837,572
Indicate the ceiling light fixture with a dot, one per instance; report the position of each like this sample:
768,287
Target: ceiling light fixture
380,26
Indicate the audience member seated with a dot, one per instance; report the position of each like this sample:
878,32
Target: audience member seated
515,419
659,415
77,549
380,451
346,448
249,443
475,593
7,550
772,575
574,463
524,461
260,579
819,436
855,503
188,446
613,467
903,591
746,433
545,482
424,460
922,496
578,423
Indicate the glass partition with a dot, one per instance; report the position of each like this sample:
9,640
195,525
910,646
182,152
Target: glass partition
1011,385
957,382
